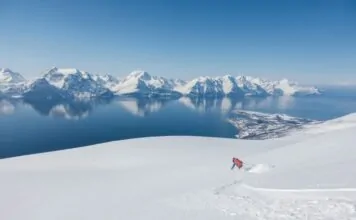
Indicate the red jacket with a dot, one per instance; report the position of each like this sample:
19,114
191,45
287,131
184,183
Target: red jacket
237,162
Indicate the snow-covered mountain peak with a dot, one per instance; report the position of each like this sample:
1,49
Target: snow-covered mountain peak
241,78
109,78
245,79
203,79
52,69
285,81
140,82
202,86
249,87
287,87
258,80
8,76
57,76
68,71
227,76
3,70
75,82
139,74
65,72
178,82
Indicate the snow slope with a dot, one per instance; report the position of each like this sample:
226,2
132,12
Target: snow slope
309,175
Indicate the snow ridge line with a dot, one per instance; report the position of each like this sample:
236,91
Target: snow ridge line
298,190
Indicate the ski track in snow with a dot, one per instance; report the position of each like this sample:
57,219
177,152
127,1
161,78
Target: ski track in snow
105,182
299,190
240,201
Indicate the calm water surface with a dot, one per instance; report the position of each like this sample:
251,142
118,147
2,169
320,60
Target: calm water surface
27,128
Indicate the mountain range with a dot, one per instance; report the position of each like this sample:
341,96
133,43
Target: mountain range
70,83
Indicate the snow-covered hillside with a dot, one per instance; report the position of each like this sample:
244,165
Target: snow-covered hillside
308,175
259,126
80,84
143,84
11,83
77,83
202,87
42,90
108,81
286,87
251,88
8,76
65,83
242,86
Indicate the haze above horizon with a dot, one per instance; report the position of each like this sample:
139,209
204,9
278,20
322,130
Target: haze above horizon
306,41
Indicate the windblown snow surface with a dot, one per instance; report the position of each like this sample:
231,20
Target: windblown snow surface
308,175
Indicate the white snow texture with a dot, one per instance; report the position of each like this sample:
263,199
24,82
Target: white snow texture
307,175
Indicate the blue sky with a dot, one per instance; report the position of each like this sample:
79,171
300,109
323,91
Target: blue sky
308,41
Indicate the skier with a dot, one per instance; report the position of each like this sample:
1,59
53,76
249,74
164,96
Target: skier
236,162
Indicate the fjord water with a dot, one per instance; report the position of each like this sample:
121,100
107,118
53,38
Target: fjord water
27,128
